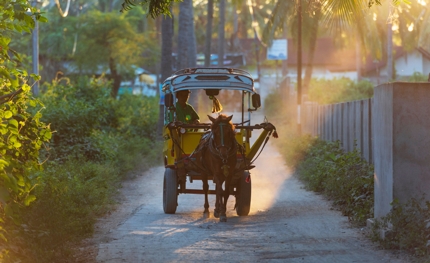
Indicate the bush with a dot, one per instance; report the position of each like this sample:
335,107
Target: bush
97,141
74,113
69,199
339,90
409,227
345,178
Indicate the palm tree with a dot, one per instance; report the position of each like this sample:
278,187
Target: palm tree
166,62
221,33
186,44
208,39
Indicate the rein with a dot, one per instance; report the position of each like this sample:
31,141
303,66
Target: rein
232,150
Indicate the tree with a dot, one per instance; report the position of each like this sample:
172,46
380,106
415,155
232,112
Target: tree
221,33
166,62
208,39
109,41
186,38
22,132
155,7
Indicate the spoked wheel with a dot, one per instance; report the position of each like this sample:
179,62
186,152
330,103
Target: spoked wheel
170,191
243,202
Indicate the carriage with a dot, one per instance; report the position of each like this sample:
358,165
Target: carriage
185,157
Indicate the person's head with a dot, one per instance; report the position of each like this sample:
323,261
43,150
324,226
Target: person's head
183,96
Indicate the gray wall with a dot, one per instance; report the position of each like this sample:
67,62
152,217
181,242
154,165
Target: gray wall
392,131
402,143
348,122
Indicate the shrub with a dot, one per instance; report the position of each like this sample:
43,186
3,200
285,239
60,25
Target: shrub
409,227
69,199
345,178
74,112
339,90
96,142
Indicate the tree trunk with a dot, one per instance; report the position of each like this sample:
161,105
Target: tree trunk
166,47
115,77
234,41
166,64
208,40
192,47
311,50
183,34
221,33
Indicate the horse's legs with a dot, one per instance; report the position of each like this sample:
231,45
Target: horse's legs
226,195
206,191
218,200
223,201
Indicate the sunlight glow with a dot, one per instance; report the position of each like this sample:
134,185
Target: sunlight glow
422,2
375,16
411,27
267,182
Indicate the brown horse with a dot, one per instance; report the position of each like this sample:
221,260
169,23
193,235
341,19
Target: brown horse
217,154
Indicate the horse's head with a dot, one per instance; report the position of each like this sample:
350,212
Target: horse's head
223,133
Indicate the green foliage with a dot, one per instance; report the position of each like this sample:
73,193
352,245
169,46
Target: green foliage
96,142
155,7
339,90
22,131
407,226
69,199
295,148
74,112
345,178
137,116
418,77
273,103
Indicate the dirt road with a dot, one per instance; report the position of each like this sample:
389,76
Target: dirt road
286,224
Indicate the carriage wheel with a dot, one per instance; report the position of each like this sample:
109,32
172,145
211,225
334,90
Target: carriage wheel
243,199
170,191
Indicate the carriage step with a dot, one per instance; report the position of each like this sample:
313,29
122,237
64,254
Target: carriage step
199,191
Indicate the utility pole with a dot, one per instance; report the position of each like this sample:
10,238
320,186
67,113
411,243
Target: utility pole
35,45
299,65
390,45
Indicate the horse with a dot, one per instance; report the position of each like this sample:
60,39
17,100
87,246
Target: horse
217,154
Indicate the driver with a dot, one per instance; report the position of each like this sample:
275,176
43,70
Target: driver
184,111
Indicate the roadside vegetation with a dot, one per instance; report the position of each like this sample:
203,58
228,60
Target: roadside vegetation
96,142
344,177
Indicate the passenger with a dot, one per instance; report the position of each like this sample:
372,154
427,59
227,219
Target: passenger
184,111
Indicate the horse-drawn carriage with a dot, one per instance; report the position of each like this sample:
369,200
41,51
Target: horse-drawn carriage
220,150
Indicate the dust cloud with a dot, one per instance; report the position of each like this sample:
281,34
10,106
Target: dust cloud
267,178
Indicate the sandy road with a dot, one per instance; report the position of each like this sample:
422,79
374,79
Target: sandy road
286,224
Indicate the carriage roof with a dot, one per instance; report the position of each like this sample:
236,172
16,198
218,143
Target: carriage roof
209,78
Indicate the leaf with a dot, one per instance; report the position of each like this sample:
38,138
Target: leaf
3,163
8,114
43,19
14,123
4,194
29,199
48,135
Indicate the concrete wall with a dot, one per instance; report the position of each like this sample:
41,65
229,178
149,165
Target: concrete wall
392,131
401,126
347,122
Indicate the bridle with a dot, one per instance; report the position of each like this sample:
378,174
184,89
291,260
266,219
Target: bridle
216,149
